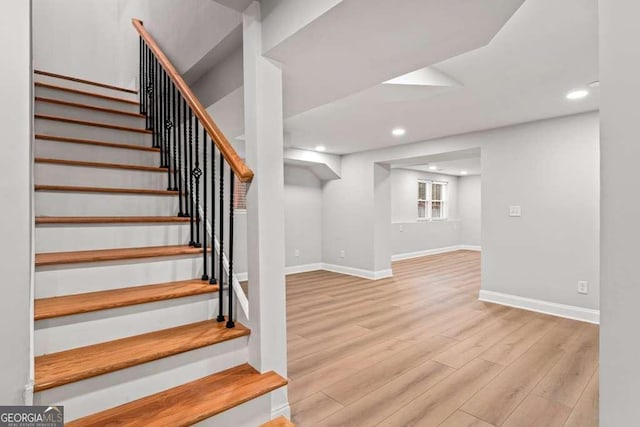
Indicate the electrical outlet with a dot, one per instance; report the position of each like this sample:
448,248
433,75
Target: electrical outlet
342,253
515,211
401,227
583,287
297,252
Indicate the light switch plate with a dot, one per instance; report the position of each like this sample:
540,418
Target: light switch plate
515,211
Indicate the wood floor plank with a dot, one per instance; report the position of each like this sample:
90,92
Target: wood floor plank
385,401
586,412
344,346
362,383
56,369
462,419
442,400
495,402
566,381
463,352
313,409
536,411
516,344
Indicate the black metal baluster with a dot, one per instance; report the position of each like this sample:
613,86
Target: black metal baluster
140,75
230,323
152,99
169,132
148,89
221,249
156,98
191,207
213,280
179,143
186,159
175,138
197,173
205,275
163,123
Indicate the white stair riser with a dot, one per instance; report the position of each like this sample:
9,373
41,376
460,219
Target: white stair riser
79,237
106,391
92,153
60,203
250,414
70,279
85,87
46,92
72,130
53,109
55,174
64,333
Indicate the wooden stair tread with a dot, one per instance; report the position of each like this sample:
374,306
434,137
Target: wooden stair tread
100,255
42,137
84,92
83,163
56,369
47,308
73,188
79,80
46,220
91,123
190,403
279,422
88,107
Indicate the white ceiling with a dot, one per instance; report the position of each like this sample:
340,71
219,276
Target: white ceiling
451,167
359,43
546,49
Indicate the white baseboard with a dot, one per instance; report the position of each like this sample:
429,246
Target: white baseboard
295,269
282,411
426,252
366,274
242,277
540,306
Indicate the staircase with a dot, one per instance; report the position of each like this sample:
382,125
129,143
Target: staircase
127,332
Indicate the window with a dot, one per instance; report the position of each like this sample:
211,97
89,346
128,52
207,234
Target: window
432,200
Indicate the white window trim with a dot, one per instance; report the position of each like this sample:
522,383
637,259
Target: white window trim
428,201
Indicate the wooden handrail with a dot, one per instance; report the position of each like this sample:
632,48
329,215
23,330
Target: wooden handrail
239,167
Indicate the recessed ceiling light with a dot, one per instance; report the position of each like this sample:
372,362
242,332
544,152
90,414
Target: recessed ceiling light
577,94
398,132
321,148
463,172
433,168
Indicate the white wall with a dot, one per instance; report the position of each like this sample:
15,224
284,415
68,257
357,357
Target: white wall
186,31
16,217
620,210
302,216
470,209
94,39
549,167
302,221
551,170
77,38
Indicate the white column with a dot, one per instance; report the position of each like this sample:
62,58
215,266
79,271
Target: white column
620,210
265,207
16,189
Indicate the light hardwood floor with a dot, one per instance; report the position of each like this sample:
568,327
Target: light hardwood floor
419,349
